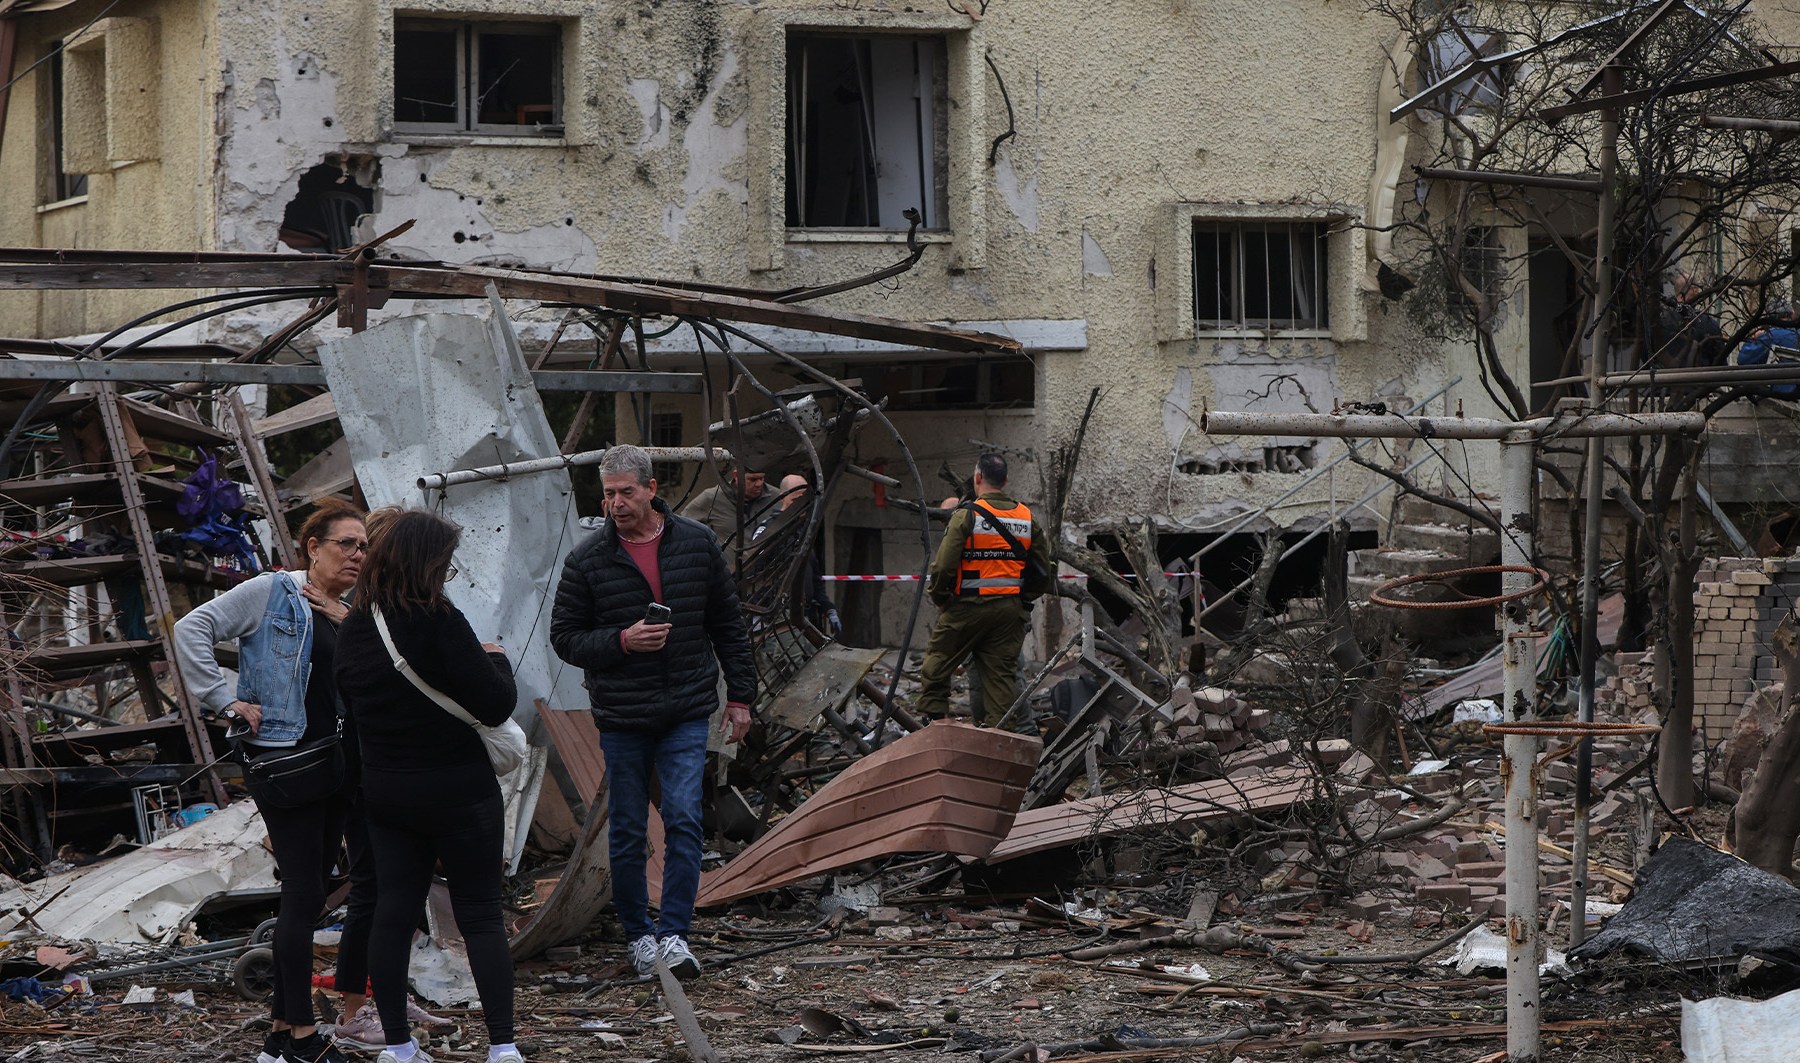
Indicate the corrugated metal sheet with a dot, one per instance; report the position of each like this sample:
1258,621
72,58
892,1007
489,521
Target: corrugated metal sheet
1098,817
950,788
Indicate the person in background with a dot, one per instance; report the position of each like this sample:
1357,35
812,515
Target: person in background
819,606
1686,333
983,589
1764,343
653,687
286,625
722,507
432,796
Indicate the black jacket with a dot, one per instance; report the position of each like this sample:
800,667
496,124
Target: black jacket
402,729
602,593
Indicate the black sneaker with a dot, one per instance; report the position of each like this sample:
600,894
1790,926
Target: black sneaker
313,1048
272,1047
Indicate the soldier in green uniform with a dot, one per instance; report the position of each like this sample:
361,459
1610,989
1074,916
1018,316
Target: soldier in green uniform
993,563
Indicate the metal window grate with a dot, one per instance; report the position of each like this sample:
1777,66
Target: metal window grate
1265,274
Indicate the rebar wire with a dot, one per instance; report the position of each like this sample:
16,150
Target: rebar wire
878,739
50,390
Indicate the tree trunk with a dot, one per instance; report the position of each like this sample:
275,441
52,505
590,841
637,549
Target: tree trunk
1675,750
1371,717
1767,818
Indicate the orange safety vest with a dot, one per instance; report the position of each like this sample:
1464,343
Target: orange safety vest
989,565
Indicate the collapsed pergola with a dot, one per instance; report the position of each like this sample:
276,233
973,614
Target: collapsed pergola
737,330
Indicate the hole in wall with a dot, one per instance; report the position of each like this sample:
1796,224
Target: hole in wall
322,215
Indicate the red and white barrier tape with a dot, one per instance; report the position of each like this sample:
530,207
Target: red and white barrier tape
911,577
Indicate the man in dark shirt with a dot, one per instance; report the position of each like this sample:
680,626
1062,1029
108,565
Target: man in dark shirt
653,687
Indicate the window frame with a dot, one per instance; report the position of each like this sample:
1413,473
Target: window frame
468,29
58,184
1239,320
932,158
1347,250
965,122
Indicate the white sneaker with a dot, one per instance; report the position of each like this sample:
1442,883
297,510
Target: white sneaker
508,1056
643,956
418,1056
679,958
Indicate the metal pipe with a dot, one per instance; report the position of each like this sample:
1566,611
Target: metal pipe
1305,482
1599,346
1501,177
1766,125
1399,426
1519,769
437,481
1699,375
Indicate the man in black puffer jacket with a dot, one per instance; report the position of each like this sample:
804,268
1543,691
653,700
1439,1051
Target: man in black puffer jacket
653,686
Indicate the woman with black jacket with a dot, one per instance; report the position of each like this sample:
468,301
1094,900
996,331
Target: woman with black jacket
431,793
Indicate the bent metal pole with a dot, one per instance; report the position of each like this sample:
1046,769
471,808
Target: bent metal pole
1524,942
437,481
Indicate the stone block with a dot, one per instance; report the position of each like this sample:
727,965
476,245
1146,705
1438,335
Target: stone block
1453,893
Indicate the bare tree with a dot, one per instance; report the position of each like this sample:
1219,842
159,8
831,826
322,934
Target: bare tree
1699,208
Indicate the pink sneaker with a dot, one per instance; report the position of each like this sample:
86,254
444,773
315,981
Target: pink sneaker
416,1014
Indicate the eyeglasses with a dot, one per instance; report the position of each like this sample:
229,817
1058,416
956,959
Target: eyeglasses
449,573
350,546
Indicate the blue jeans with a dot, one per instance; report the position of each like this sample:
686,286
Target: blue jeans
678,757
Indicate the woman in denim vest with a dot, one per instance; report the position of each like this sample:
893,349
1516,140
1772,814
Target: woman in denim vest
285,625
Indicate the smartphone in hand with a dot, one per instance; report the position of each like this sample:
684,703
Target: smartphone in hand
657,613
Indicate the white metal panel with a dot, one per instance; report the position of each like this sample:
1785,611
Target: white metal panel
431,392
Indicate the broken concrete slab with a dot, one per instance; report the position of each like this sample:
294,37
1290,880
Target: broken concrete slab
950,788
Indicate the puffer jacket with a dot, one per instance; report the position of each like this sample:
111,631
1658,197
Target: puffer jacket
602,593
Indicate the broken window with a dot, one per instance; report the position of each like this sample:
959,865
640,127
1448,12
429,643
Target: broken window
1454,47
865,130
1218,461
1263,274
477,77
59,183
999,384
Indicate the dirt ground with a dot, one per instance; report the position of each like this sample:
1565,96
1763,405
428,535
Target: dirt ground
956,989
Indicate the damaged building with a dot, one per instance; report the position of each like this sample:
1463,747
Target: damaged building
1149,224
1264,302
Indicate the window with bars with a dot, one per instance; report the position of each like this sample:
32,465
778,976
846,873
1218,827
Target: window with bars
865,130
1260,274
1482,266
477,77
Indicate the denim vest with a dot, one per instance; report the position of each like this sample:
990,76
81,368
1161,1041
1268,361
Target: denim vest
275,663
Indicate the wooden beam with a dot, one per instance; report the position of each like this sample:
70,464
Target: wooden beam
316,410
651,301
299,272
134,372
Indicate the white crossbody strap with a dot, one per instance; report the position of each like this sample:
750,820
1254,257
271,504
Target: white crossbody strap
444,701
